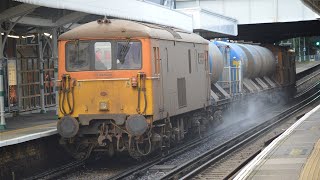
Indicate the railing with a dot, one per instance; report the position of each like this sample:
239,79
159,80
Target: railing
307,58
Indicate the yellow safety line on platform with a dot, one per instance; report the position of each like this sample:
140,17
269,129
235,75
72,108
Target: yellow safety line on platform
311,169
49,125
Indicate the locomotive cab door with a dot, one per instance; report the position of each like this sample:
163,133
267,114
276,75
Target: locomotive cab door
158,78
163,75
163,79
167,80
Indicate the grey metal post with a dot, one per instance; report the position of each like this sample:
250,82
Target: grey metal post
240,76
299,50
304,48
43,110
2,118
19,87
55,61
229,66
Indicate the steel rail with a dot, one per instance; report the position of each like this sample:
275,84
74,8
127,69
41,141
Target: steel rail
53,173
201,162
247,160
132,171
308,79
135,171
312,87
307,71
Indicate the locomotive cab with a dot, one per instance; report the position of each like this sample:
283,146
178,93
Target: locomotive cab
130,86
104,89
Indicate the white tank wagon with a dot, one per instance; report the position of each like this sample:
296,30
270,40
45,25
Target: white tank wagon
261,62
257,61
245,67
216,63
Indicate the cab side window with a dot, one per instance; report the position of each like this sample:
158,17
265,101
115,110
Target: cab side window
128,55
78,56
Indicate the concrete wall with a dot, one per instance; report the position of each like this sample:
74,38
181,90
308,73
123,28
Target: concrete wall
30,158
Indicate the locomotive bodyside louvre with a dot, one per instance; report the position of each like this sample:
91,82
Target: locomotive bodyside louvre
185,78
182,76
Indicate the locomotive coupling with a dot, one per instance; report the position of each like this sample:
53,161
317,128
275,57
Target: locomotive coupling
68,126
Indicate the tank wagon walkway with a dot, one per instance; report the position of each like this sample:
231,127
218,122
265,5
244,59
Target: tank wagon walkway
293,155
28,127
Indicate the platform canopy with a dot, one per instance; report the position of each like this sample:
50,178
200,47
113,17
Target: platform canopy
30,15
211,24
126,9
313,4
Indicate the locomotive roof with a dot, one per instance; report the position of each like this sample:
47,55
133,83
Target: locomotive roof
129,29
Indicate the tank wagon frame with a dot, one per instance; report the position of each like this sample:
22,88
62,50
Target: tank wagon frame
137,87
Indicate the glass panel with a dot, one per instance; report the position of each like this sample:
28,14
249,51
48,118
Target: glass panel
78,56
103,56
128,55
99,56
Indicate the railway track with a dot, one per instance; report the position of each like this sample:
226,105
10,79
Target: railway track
218,152
307,72
134,172
56,172
198,164
311,77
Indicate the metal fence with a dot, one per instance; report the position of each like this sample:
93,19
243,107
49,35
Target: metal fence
308,58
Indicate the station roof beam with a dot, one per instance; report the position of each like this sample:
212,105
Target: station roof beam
41,22
17,11
313,4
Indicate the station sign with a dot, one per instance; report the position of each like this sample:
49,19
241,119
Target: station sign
12,72
32,40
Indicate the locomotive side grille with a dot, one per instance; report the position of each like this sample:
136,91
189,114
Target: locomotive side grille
182,95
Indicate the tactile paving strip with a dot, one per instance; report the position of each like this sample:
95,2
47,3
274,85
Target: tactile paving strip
311,169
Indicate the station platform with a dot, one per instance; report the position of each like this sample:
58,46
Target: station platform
303,66
295,154
28,127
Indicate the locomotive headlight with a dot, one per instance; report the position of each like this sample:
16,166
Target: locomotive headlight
103,106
